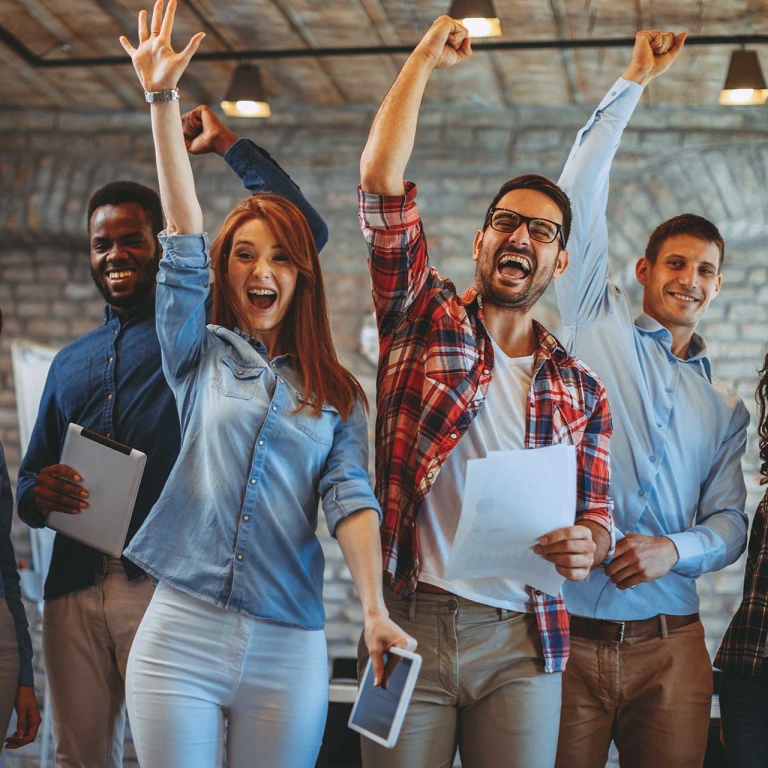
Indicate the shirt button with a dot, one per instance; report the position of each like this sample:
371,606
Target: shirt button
653,458
487,371
253,481
430,475
641,493
239,373
109,397
454,436
274,407
261,442
246,517
109,435
538,592
111,359
239,557
668,390
658,424
672,361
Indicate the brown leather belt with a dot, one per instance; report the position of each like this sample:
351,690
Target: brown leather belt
619,631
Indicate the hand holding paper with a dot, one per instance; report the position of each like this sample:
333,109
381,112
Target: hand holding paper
571,550
512,499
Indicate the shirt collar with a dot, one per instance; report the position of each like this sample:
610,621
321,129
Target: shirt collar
145,308
259,346
697,351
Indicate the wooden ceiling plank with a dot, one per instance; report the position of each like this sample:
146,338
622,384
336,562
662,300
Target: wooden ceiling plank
385,30
37,81
575,87
303,31
115,81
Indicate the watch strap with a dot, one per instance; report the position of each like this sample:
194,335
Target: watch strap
168,94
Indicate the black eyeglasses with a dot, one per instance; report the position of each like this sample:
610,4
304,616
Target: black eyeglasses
542,230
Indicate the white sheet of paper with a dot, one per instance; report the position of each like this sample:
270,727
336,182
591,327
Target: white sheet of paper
511,499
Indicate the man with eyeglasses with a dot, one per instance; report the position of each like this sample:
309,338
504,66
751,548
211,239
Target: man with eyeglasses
459,377
639,671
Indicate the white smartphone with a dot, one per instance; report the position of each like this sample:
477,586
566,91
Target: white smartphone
378,712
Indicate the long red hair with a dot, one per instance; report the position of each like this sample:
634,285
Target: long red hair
306,332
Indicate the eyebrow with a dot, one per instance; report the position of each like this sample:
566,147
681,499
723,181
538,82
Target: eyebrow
126,236
701,264
238,243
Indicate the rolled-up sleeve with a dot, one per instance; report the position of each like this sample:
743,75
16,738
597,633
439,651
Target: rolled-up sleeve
345,487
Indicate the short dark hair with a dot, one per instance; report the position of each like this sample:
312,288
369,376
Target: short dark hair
120,192
685,224
539,184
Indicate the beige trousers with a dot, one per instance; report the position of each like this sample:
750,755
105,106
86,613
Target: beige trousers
87,636
482,687
651,696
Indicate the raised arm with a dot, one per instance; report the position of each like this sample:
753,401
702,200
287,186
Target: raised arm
204,132
390,142
582,289
159,69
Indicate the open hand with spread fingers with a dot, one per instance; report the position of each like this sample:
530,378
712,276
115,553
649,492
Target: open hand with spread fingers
653,54
158,66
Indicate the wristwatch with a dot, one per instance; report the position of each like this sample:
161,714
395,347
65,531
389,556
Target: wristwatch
169,94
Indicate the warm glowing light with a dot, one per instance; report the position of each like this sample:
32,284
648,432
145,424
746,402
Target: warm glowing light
482,27
244,108
744,96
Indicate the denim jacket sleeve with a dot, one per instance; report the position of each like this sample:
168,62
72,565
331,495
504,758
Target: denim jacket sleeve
583,290
182,294
10,576
259,172
345,487
44,450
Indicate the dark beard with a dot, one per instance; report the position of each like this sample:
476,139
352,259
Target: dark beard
521,302
143,289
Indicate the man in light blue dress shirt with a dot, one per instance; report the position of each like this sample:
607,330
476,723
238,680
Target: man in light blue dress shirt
639,671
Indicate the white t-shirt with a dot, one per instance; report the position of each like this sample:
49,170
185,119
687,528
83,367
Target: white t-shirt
500,426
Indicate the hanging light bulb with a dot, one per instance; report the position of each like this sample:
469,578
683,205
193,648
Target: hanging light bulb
745,83
478,16
246,96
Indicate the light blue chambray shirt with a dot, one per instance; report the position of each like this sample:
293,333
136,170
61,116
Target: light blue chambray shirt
678,433
235,524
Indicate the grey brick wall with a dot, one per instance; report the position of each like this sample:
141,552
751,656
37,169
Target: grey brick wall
713,162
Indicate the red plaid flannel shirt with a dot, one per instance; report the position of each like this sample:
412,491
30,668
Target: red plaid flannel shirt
435,366
743,647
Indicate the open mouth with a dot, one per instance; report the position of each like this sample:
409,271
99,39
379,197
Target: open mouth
684,297
262,299
118,277
515,266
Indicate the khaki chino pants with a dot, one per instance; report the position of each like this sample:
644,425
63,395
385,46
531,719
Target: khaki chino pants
651,696
482,686
87,636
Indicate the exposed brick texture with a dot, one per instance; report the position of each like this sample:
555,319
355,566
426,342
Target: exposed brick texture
712,162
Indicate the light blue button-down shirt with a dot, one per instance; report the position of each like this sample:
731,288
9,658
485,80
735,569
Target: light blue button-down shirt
678,433
235,524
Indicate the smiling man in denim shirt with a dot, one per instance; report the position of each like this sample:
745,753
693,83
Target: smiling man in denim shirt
111,381
639,671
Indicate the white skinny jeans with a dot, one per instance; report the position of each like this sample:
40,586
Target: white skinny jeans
193,664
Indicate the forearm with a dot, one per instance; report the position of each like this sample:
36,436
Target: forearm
358,536
174,171
601,537
390,142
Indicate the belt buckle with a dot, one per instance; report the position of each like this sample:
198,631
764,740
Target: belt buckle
621,629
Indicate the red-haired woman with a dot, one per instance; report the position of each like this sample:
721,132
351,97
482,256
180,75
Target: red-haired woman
271,423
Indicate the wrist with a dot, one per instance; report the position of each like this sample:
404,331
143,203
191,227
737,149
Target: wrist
641,77
222,143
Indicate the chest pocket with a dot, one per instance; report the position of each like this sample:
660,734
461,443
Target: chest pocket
319,428
236,379
568,425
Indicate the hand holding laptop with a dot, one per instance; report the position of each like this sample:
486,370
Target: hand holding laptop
57,489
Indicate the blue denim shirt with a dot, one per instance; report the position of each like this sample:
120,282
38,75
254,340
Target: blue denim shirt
9,581
111,381
236,522
678,433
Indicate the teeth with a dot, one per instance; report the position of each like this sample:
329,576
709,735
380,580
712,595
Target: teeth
119,275
261,292
514,258
684,297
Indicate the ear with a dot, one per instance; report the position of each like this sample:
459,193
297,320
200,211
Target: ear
477,245
642,270
718,284
563,259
